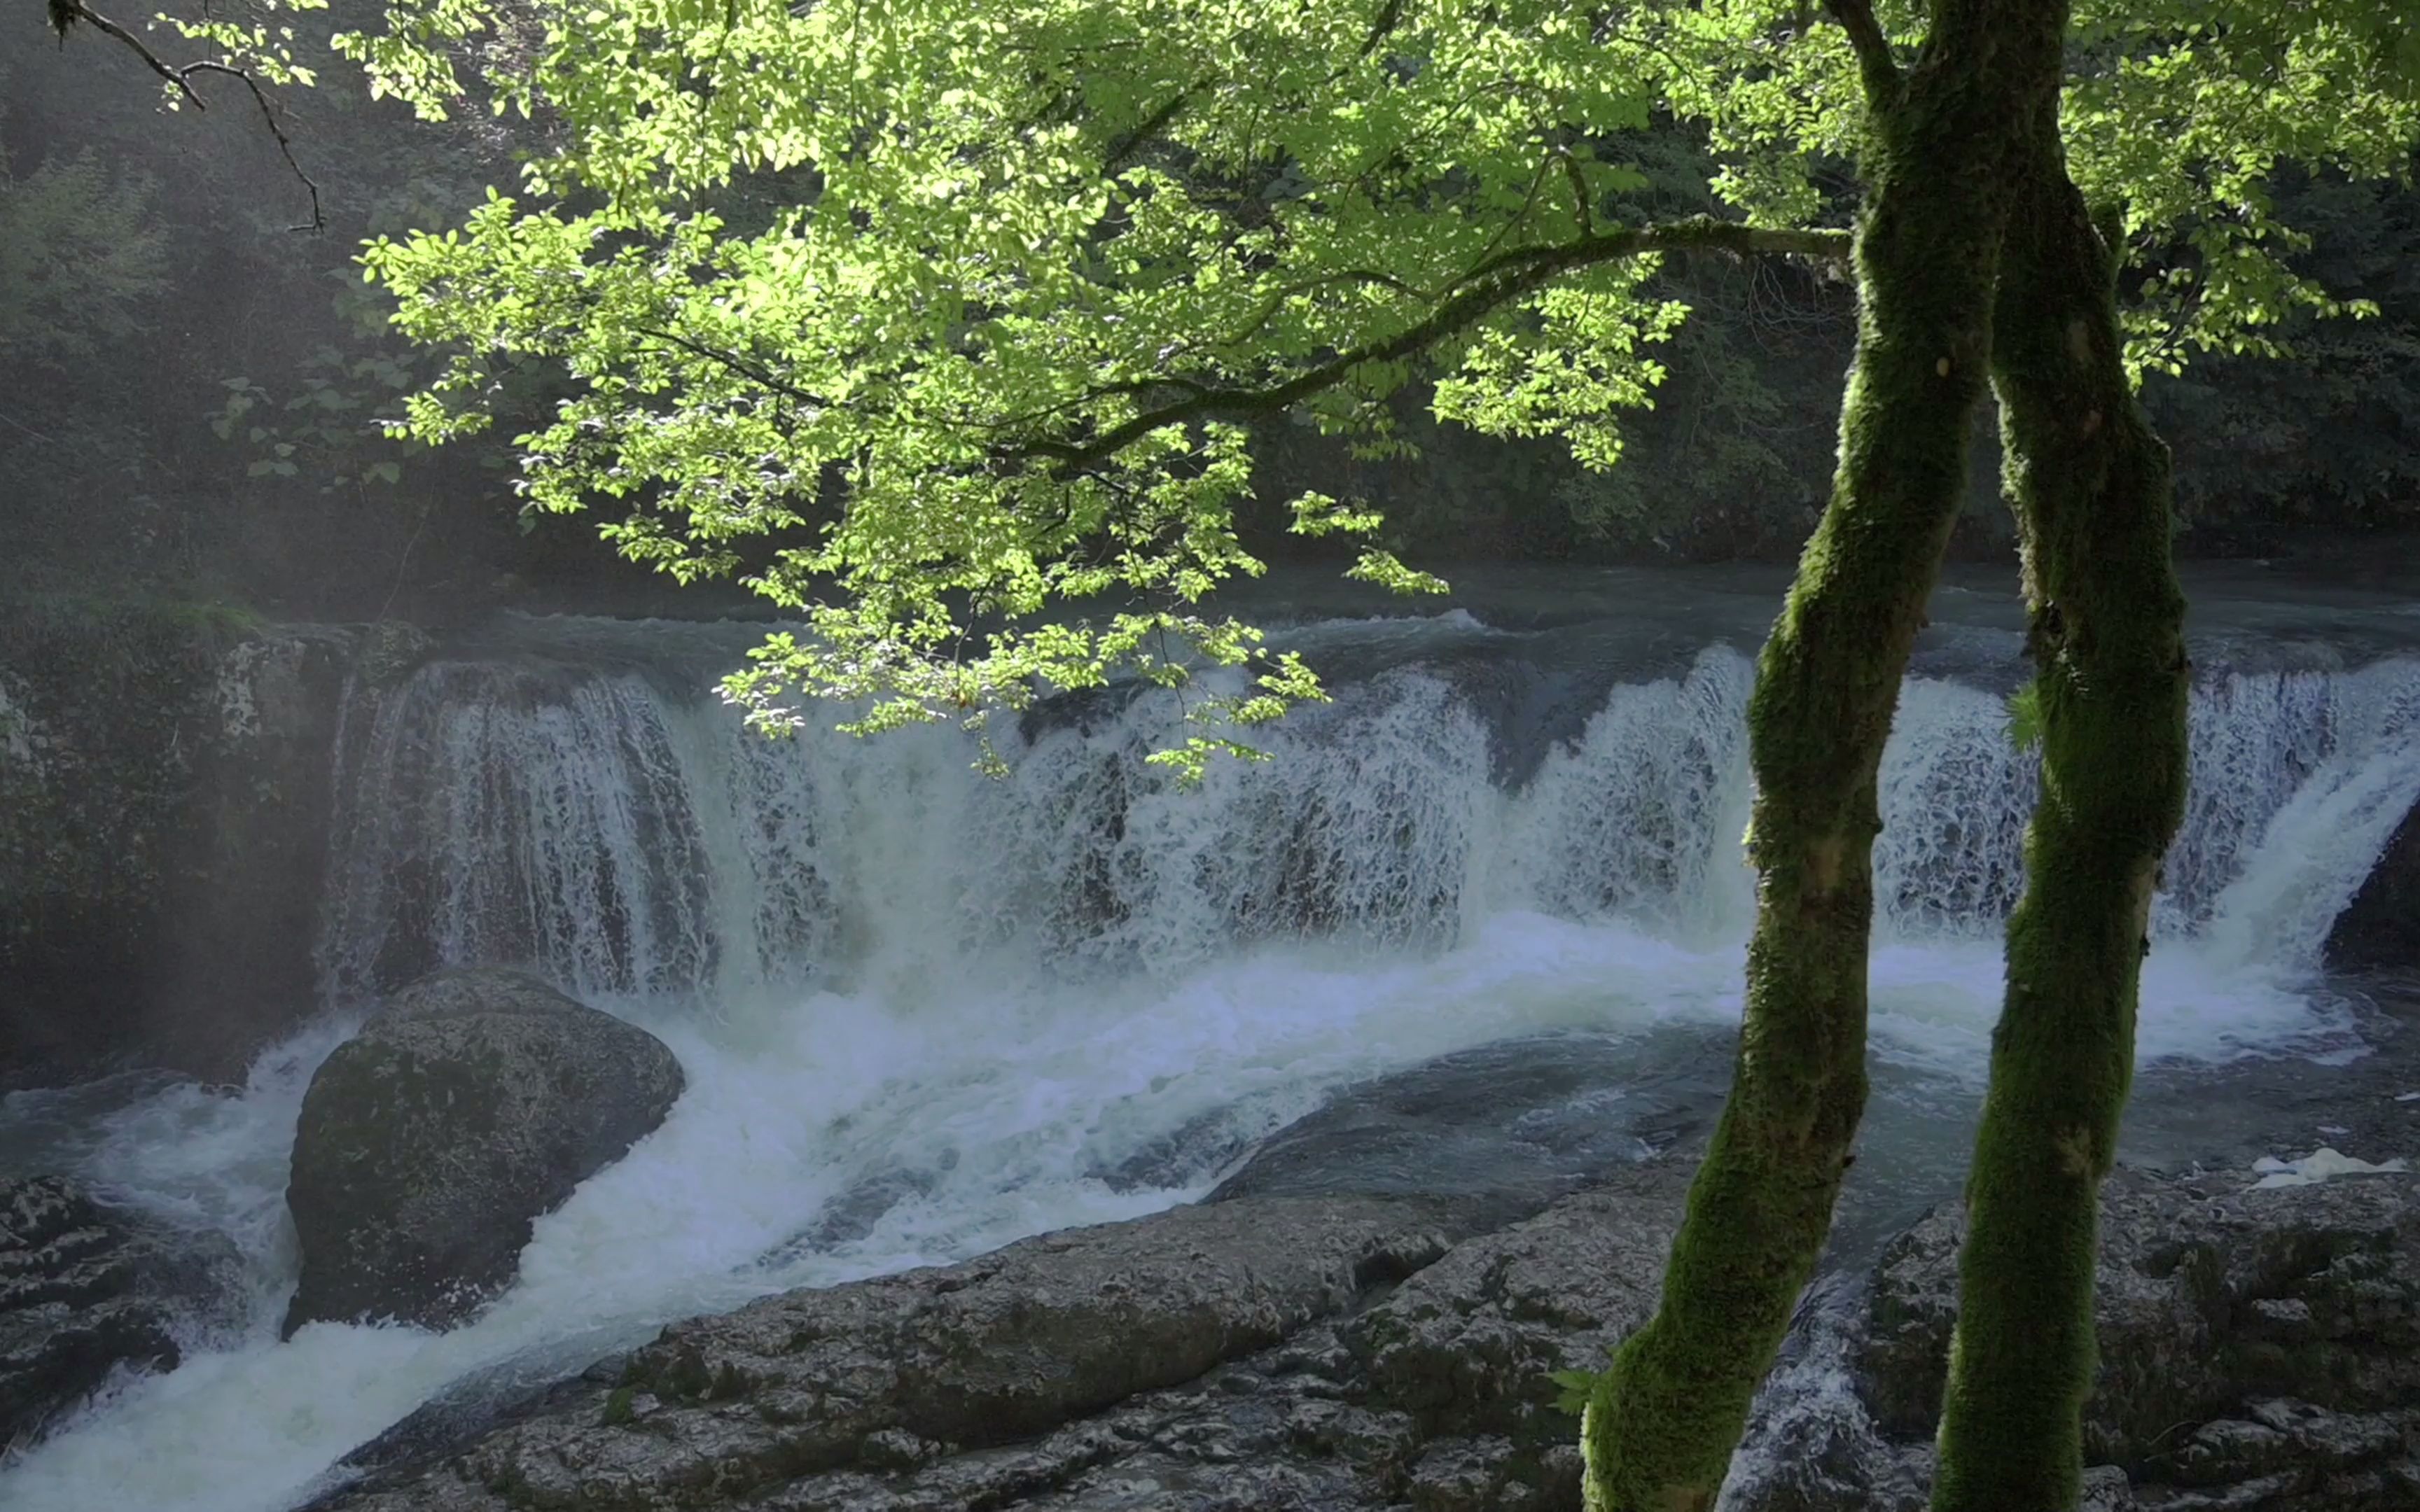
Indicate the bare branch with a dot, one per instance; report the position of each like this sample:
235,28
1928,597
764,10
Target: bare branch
268,118
1874,61
65,13
1501,279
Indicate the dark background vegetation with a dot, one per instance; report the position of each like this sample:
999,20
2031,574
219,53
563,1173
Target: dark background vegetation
189,388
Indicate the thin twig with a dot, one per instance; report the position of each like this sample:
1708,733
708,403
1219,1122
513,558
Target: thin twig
27,429
65,13
284,147
403,563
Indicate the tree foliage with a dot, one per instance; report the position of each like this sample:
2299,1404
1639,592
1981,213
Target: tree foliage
967,314
1003,345
2326,429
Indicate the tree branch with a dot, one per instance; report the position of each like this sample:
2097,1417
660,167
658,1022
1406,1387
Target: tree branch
755,372
1503,278
1579,193
1875,60
65,13
1152,126
1390,15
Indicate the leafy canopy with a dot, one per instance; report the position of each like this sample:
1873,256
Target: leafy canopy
967,310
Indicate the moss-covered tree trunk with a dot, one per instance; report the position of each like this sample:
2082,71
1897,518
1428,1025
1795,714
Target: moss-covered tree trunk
2089,483
1663,1421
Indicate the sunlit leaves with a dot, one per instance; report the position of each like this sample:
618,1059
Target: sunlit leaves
941,323
868,279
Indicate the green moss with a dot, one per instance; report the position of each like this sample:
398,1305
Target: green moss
1661,1424
619,1412
2025,717
2090,486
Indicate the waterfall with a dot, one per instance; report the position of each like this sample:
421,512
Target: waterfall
621,840
621,832
1066,995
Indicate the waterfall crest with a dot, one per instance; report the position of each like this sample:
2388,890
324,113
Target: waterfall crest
623,834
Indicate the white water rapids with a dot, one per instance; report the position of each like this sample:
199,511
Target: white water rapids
874,962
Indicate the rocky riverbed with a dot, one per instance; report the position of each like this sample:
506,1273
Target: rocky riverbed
1367,1312
2261,1354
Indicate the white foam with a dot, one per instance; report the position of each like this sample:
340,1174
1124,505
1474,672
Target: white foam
871,962
2320,1165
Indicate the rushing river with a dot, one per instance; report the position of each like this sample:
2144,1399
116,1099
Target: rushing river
1519,817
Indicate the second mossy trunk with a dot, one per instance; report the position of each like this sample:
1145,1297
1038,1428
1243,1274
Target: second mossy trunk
2089,483
1662,1422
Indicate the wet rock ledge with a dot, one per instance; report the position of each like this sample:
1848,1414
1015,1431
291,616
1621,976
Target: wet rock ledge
2261,1354
1265,1352
87,1291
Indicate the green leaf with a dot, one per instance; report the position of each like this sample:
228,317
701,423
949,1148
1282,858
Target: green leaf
2026,717
1574,1390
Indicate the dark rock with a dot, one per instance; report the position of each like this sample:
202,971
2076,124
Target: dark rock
2106,1490
164,808
242,899
1469,1345
852,1213
468,1410
1515,1124
2227,1450
2379,929
391,651
1354,1353
1196,1149
1914,1306
1016,1343
85,1290
1260,1353
428,1144
2259,1350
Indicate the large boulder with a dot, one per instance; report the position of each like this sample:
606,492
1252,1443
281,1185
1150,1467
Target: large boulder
472,1104
2379,929
2259,1348
86,1290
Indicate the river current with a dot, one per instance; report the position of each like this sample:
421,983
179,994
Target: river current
1072,994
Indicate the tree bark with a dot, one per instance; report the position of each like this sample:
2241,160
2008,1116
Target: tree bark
2090,487
1662,1422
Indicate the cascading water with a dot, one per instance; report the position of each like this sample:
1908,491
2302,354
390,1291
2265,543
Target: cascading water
633,841
1012,999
